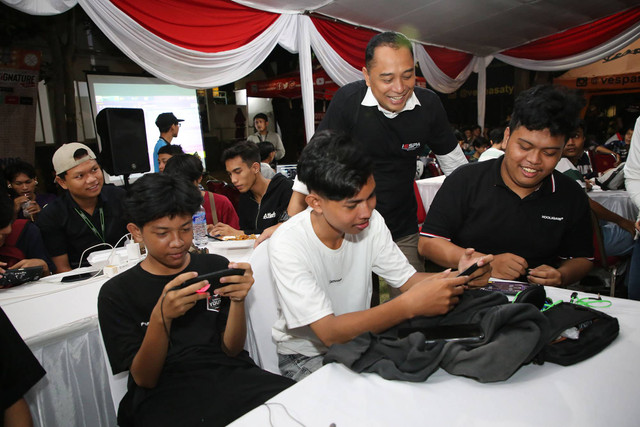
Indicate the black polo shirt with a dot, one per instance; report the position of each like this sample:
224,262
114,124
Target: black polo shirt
393,144
474,208
65,232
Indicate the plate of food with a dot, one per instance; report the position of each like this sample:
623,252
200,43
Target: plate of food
239,241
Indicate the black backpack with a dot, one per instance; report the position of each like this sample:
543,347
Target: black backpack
597,331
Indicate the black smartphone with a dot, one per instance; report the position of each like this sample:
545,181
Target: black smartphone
469,270
213,278
78,277
469,332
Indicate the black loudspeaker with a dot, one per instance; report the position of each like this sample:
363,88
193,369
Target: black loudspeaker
123,140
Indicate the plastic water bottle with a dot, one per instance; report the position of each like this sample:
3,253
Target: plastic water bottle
199,220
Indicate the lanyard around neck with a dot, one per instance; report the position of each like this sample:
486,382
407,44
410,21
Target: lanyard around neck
90,224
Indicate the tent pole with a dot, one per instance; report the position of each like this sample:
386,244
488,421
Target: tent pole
306,77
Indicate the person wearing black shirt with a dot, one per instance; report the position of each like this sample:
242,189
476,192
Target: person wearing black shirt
263,202
88,214
183,347
533,219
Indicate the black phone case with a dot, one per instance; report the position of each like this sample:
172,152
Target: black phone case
213,277
461,332
21,275
469,270
78,277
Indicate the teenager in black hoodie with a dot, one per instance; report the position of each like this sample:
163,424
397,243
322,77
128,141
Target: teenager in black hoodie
263,201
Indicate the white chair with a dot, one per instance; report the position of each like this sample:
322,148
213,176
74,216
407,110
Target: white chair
118,382
262,311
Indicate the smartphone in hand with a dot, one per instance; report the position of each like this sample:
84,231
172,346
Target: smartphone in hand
469,271
213,278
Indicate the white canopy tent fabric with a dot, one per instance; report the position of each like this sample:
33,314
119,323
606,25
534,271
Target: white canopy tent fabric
41,7
295,32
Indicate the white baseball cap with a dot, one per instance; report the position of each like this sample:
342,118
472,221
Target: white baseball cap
63,159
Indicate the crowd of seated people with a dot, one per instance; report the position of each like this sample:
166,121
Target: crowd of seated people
60,232
474,141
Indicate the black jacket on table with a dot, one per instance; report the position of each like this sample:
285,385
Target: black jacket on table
513,335
255,217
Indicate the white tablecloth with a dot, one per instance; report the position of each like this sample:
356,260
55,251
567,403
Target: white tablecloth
601,391
428,188
617,201
59,322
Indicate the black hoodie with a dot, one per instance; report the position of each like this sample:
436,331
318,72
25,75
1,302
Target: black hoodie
255,217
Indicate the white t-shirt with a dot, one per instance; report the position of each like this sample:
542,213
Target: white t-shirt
490,153
313,281
564,165
300,186
266,171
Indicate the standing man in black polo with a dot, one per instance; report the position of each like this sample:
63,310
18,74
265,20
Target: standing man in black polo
88,214
392,120
533,219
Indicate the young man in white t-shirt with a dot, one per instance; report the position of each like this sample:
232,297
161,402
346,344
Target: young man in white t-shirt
323,257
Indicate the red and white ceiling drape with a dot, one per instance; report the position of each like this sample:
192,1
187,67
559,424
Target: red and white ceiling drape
208,43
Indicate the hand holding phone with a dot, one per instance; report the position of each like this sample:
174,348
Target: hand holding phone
213,278
470,270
